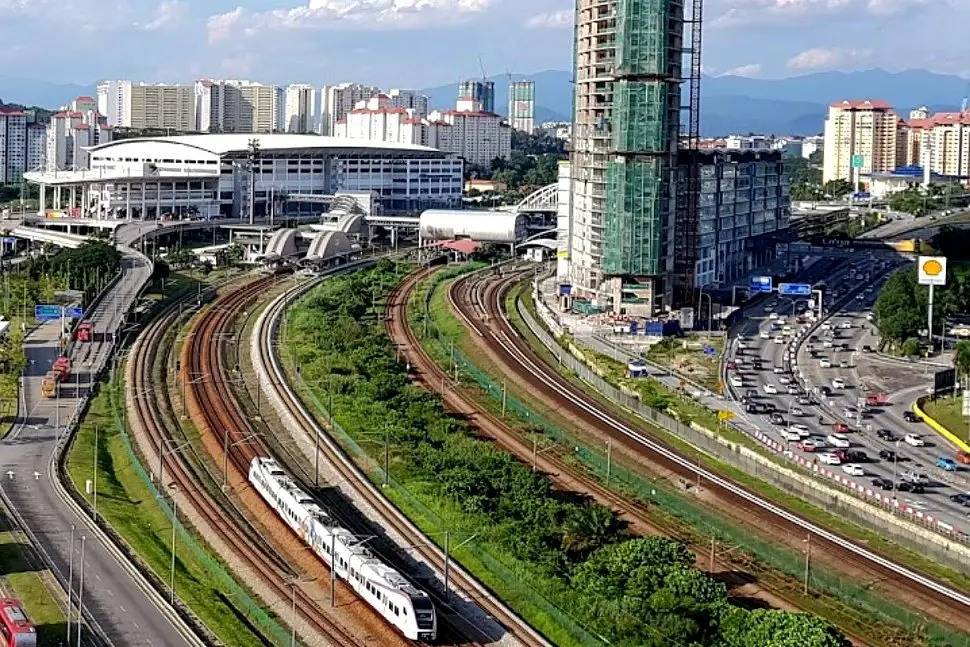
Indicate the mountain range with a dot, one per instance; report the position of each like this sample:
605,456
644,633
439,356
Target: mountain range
729,104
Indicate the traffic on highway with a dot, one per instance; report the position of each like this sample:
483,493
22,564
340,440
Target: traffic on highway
813,384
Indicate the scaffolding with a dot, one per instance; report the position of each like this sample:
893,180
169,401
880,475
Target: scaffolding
634,222
642,38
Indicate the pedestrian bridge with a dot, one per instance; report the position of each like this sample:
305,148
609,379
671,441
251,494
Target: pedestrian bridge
58,238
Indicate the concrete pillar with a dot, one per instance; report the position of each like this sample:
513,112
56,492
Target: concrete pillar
393,236
41,204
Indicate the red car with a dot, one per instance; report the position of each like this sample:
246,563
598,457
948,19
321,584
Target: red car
840,428
963,457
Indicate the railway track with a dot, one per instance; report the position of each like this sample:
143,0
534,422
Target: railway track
483,312
455,629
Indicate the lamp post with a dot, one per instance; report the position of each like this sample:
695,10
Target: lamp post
70,583
175,523
80,594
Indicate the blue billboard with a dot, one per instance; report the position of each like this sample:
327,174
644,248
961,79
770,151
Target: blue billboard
761,284
795,289
47,312
74,312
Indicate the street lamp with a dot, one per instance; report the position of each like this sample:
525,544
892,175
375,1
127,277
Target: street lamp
175,523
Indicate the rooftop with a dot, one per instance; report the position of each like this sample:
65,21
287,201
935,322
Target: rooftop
862,104
225,143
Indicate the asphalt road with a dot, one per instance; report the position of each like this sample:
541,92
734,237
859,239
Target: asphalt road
121,608
903,381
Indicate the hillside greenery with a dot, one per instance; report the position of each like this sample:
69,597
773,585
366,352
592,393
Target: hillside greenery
630,591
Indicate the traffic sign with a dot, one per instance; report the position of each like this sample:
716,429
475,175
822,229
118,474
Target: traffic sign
795,289
10,240
858,161
47,312
761,284
75,312
931,270
725,415
710,351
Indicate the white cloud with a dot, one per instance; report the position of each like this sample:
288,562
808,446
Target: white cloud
167,13
552,20
743,13
819,58
362,15
751,71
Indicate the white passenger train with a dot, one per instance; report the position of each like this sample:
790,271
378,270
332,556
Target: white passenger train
407,608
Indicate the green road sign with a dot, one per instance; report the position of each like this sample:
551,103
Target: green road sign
858,161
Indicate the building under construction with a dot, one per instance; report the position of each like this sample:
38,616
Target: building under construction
631,247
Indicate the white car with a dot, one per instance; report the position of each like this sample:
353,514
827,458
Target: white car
801,430
764,335
853,469
779,340
778,370
770,389
742,345
793,389
784,379
828,458
825,362
869,316
914,440
796,411
827,343
790,435
846,325
773,315
736,381
838,383
838,440
826,326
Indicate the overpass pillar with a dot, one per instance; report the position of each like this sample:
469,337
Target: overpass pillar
394,236
42,202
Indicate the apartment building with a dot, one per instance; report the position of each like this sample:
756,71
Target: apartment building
479,90
142,105
338,100
377,119
71,131
864,131
475,134
522,106
408,100
301,103
13,145
236,106
939,142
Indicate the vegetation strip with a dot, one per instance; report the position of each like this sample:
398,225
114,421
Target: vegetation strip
603,584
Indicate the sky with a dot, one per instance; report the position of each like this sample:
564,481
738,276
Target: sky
424,43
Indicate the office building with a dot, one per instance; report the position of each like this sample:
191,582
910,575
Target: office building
301,105
624,240
861,137
338,100
479,90
522,106
475,134
71,132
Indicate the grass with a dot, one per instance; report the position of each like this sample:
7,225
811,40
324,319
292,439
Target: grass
687,357
29,585
857,609
949,413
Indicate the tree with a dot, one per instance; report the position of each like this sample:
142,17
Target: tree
837,189
961,357
897,309
773,628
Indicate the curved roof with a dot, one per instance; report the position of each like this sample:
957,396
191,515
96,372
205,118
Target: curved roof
226,143
483,226
328,244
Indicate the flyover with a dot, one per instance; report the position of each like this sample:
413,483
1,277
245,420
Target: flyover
58,238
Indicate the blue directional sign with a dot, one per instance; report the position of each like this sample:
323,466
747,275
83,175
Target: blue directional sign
74,312
710,351
47,312
10,240
761,284
795,289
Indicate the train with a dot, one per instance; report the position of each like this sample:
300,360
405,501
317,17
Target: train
15,628
400,603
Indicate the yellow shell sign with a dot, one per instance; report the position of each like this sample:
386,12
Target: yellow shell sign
932,270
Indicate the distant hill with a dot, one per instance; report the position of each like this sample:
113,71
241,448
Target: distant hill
34,92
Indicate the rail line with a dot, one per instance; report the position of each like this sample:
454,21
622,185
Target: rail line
507,341
448,630
208,398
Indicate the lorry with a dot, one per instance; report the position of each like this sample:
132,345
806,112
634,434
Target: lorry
48,386
877,399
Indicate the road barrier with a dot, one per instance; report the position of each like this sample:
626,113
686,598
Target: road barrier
937,427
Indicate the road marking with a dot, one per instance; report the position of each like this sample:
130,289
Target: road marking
122,609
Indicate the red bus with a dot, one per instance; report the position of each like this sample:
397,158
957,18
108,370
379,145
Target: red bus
85,332
15,628
62,365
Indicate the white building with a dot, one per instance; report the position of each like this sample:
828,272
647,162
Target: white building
71,131
408,100
337,100
522,106
233,106
475,135
749,142
300,108
208,174
812,145
36,146
378,120
143,105
13,145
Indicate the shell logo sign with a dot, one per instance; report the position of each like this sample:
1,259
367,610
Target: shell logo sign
932,270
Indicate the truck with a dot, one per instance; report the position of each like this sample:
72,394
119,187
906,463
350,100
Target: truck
48,386
877,399
84,332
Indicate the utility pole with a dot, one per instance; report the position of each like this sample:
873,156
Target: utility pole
808,560
713,545
253,156
70,583
80,594
95,496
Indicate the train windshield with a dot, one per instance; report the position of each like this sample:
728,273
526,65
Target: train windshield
423,612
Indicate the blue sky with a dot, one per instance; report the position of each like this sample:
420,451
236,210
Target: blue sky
421,43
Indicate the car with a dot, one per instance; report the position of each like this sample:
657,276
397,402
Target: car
826,326
850,413
784,379
773,316
886,434
805,401
856,456
906,486
838,440
732,365
828,458
736,381
869,316
852,469
764,334
795,411
909,416
962,457
914,440
843,364
838,383
963,498
793,389
779,340
867,348
825,362
827,344
800,428
946,463
789,435
776,419
770,389
840,428
915,477
810,445
824,390
887,455
778,370
882,483
845,325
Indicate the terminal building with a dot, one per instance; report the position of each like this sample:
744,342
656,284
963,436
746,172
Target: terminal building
220,175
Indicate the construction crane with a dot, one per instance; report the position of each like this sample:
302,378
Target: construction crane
481,66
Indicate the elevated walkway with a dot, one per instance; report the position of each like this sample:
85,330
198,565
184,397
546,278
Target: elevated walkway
58,238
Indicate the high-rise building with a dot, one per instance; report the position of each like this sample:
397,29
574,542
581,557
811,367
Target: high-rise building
230,106
522,106
377,119
114,100
13,145
861,137
624,143
939,142
409,100
300,108
480,90
141,105
476,135
338,100
71,131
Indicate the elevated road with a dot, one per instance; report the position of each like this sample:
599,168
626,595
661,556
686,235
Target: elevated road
117,597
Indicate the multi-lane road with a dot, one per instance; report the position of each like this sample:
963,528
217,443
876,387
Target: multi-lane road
127,613
814,381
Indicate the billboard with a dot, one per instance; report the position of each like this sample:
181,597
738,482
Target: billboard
686,318
932,270
74,312
761,284
47,312
944,381
795,289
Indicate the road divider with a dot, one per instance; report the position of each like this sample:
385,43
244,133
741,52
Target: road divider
937,427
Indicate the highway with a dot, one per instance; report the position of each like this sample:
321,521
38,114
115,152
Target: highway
117,600
809,374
